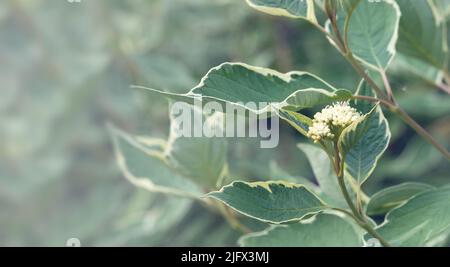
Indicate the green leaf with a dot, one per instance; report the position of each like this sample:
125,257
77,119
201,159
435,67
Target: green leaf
202,159
323,230
131,226
410,162
349,5
238,84
391,197
422,33
288,8
425,104
324,173
300,122
363,142
443,7
420,220
272,202
147,168
372,30
405,65
364,89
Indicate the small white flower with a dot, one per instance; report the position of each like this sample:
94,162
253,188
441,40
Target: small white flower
324,116
319,130
339,115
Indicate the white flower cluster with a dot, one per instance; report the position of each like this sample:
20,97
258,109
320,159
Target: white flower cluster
339,115
319,130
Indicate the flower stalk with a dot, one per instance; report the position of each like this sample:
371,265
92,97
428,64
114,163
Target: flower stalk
359,218
356,214
328,125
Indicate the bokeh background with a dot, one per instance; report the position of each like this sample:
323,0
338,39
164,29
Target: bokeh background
65,73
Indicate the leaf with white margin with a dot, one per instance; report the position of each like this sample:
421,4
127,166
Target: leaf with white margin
363,143
287,8
420,220
237,84
322,230
422,33
299,121
391,197
371,30
154,144
272,202
422,44
148,169
203,158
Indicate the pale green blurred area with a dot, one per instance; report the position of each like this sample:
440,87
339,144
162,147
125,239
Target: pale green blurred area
65,72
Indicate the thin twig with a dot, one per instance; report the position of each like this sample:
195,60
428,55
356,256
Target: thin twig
360,70
359,217
410,121
389,101
443,87
387,85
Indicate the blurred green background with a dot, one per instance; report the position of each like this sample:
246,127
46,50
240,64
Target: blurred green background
66,70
